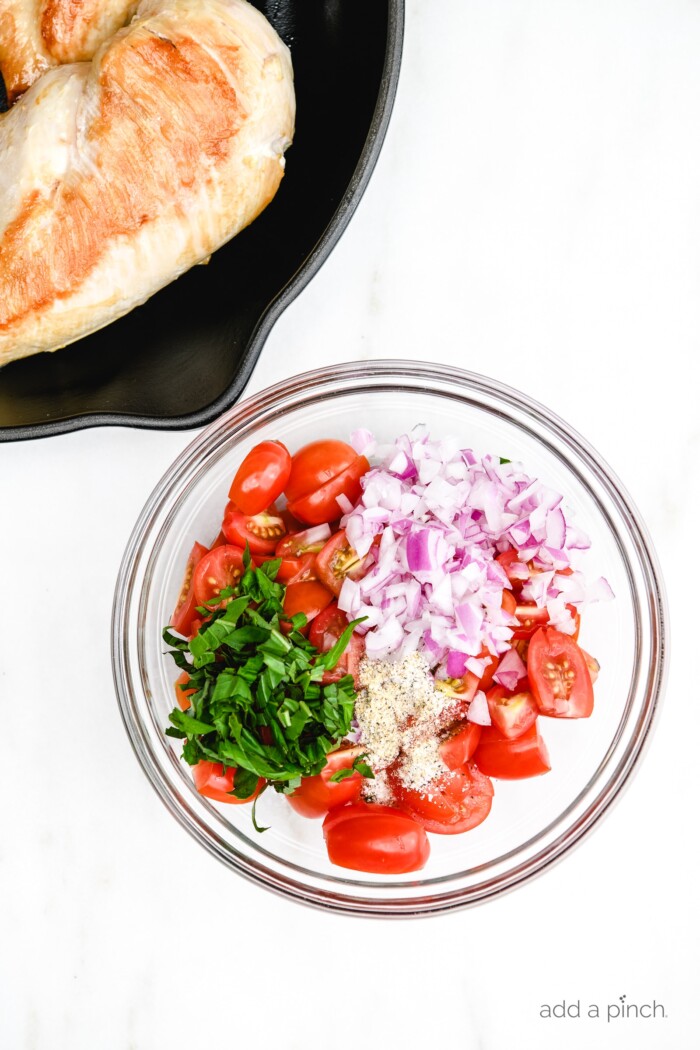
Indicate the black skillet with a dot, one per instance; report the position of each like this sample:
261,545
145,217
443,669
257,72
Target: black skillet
185,356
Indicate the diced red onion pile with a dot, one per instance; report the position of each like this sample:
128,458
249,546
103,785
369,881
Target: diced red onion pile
436,517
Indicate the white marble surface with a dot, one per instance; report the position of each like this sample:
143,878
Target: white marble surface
535,215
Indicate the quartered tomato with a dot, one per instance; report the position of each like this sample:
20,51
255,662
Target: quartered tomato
211,780
526,756
559,675
369,837
220,568
182,693
456,801
317,795
186,608
338,560
457,748
308,597
325,631
261,477
262,532
511,713
316,464
321,504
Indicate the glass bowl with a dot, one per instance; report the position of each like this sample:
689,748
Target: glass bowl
533,823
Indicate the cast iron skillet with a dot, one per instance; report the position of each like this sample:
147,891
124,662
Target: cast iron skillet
185,356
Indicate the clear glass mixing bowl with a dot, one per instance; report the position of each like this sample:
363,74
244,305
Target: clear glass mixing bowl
533,822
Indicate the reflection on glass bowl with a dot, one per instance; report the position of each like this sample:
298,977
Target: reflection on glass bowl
534,822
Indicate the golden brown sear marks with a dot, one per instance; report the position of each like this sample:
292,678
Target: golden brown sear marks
164,105
38,34
63,26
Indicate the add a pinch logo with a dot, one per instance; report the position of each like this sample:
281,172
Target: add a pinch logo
621,1009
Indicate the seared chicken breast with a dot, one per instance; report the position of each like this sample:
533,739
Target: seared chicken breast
118,174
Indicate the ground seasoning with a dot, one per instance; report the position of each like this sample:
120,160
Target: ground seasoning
401,715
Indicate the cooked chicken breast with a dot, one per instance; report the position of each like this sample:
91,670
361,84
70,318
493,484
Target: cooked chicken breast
37,34
118,175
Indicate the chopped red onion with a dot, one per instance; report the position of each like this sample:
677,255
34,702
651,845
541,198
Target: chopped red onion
443,516
478,712
510,670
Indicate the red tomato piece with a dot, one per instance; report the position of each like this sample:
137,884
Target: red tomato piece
526,756
294,570
315,464
321,505
211,780
261,477
577,622
463,689
457,748
295,544
559,675
456,801
531,617
368,837
186,607
182,692
308,597
262,532
317,795
220,568
511,713
325,632
338,560
507,561
486,680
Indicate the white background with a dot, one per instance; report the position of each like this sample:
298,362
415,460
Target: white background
535,215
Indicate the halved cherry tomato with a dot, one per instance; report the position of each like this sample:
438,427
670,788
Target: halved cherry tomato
308,597
454,802
526,756
457,748
511,713
182,692
261,477
211,780
317,795
186,607
325,632
368,837
338,560
559,675
315,464
220,568
321,505
509,602
262,532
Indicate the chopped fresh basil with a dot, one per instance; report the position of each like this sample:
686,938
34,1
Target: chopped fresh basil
259,703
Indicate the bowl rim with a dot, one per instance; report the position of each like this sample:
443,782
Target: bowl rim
405,374
309,268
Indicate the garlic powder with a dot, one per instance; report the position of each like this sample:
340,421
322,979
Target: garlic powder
400,714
